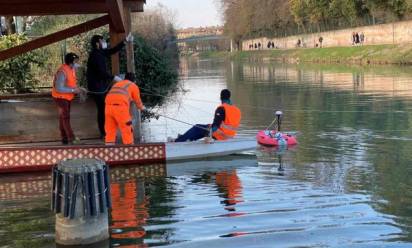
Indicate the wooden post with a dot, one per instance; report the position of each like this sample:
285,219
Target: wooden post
129,46
134,111
115,38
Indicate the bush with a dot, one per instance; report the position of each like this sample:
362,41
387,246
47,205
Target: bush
78,44
155,73
16,73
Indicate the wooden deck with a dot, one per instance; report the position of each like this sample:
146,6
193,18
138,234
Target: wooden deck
42,156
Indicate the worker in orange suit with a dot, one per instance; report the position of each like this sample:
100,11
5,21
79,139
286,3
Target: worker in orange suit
117,111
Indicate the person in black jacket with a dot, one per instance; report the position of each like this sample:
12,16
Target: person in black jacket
98,77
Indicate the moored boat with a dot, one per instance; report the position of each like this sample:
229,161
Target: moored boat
200,149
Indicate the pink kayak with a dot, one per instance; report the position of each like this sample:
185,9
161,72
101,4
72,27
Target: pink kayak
273,138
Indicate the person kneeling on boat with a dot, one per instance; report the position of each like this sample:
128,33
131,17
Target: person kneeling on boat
63,92
225,123
117,111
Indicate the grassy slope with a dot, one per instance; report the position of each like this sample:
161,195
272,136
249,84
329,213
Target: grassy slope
378,54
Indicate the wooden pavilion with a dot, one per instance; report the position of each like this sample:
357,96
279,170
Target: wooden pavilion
115,13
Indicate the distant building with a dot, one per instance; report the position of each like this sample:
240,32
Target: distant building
202,31
203,39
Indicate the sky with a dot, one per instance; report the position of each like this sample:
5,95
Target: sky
191,13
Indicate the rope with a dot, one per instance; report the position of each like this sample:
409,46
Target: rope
183,122
98,93
273,122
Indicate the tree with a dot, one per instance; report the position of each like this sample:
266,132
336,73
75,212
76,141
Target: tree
248,19
298,9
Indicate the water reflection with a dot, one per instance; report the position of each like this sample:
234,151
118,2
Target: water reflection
354,126
129,212
25,208
230,187
272,156
347,183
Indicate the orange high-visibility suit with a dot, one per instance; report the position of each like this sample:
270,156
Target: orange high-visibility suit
229,126
117,111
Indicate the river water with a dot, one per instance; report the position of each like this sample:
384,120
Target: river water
346,184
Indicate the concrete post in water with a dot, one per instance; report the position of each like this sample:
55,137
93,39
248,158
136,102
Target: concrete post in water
136,122
81,199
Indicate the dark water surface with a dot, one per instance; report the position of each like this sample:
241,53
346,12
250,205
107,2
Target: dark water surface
347,184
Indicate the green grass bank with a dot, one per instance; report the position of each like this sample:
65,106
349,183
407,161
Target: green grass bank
378,54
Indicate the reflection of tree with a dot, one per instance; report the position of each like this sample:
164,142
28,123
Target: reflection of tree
313,104
18,225
392,181
162,195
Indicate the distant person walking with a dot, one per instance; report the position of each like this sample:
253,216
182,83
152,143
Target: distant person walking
353,38
362,38
320,41
357,41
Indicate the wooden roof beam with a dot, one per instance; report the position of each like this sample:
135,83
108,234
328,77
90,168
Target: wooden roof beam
32,9
45,1
55,37
116,13
62,7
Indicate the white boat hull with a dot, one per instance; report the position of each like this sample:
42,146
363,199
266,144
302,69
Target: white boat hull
200,149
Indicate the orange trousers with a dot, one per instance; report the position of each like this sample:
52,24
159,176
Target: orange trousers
118,116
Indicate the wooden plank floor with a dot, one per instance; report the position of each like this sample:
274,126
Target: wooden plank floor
25,157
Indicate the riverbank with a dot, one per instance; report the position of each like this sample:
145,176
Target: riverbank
377,54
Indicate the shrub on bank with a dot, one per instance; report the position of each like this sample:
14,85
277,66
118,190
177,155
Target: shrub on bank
16,74
156,68
155,72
